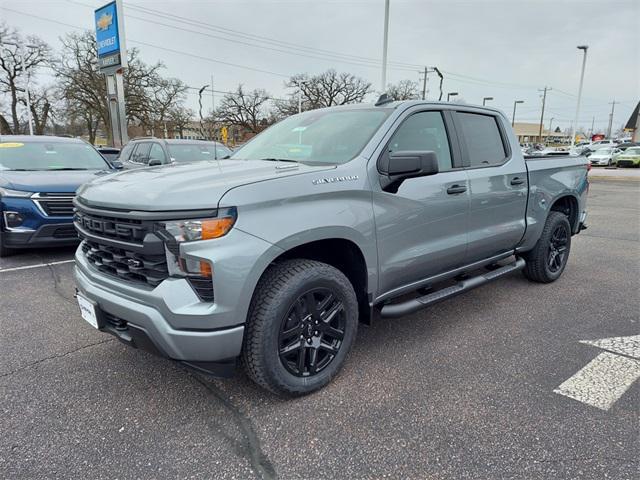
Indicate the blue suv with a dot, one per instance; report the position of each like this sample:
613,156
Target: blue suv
39,176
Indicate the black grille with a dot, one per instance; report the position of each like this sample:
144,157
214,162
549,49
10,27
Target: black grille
203,287
68,231
128,265
56,205
123,229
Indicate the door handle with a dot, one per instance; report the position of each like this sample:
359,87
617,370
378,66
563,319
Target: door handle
517,181
453,189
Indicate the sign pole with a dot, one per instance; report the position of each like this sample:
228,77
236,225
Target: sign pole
112,59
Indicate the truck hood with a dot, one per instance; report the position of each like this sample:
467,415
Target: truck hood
48,181
186,186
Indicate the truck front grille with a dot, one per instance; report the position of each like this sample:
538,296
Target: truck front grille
129,249
55,204
128,265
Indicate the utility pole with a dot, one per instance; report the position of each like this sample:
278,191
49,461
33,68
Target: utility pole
584,48
383,87
613,106
424,84
544,101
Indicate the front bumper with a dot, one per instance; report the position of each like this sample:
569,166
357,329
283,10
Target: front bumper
49,235
143,325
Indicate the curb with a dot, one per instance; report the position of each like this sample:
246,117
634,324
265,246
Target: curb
605,178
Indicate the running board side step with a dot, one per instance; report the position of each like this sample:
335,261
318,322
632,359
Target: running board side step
395,310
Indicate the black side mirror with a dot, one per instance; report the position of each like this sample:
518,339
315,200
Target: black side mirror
117,164
154,162
397,167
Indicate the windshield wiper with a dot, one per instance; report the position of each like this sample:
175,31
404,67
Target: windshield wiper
23,169
66,169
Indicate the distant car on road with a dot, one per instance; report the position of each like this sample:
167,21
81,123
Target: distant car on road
604,156
151,151
39,176
629,158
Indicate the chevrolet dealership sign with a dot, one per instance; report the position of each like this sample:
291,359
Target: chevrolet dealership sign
109,27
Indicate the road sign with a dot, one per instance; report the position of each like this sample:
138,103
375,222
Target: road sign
224,132
605,379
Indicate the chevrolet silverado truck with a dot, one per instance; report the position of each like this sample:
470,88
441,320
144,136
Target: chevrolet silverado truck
327,219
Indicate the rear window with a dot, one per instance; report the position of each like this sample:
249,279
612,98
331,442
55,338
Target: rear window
26,155
482,139
195,152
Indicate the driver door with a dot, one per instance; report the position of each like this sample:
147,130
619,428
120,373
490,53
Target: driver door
422,229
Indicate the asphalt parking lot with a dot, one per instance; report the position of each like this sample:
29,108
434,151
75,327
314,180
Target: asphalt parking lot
464,389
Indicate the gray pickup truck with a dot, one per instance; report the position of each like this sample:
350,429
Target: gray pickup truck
329,218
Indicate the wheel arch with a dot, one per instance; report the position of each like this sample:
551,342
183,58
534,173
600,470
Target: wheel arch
345,254
569,205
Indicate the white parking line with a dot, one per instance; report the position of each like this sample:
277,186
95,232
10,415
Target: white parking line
629,346
602,381
39,265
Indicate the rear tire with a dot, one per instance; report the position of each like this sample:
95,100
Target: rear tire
301,325
548,259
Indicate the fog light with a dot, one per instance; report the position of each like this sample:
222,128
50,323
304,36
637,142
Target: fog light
13,219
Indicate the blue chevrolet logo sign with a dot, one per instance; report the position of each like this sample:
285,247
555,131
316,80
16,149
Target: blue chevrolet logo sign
107,34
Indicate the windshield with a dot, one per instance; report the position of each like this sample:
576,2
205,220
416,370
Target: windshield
50,156
316,137
633,151
193,152
602,151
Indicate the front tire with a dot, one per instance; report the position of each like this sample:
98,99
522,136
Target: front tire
301,325
548,259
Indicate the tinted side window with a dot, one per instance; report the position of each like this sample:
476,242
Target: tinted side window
482,139
126,152
156,153
141,155
423,131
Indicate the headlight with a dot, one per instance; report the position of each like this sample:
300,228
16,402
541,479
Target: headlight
6,192
201,228
175,232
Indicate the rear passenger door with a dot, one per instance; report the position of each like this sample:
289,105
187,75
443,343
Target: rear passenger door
498,185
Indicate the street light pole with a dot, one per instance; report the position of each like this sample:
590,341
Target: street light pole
451,94
513,118
584,48
383,87
484,100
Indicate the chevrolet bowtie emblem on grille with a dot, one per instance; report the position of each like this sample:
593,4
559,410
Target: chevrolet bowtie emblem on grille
105,21
132,262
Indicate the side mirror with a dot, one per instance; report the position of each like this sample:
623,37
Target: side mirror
117,164
154,162
397,167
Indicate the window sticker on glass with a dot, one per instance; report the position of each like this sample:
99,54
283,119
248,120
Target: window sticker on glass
11,145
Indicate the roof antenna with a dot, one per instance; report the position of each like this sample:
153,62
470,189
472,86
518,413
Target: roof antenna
383,100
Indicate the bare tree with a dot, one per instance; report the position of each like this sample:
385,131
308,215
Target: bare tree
328,89
42,101
244,109
403,90
180,118
13,77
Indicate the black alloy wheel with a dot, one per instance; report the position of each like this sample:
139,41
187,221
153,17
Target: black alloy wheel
558,248
311,333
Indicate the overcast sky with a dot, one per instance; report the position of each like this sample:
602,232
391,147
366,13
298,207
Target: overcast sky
502,49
